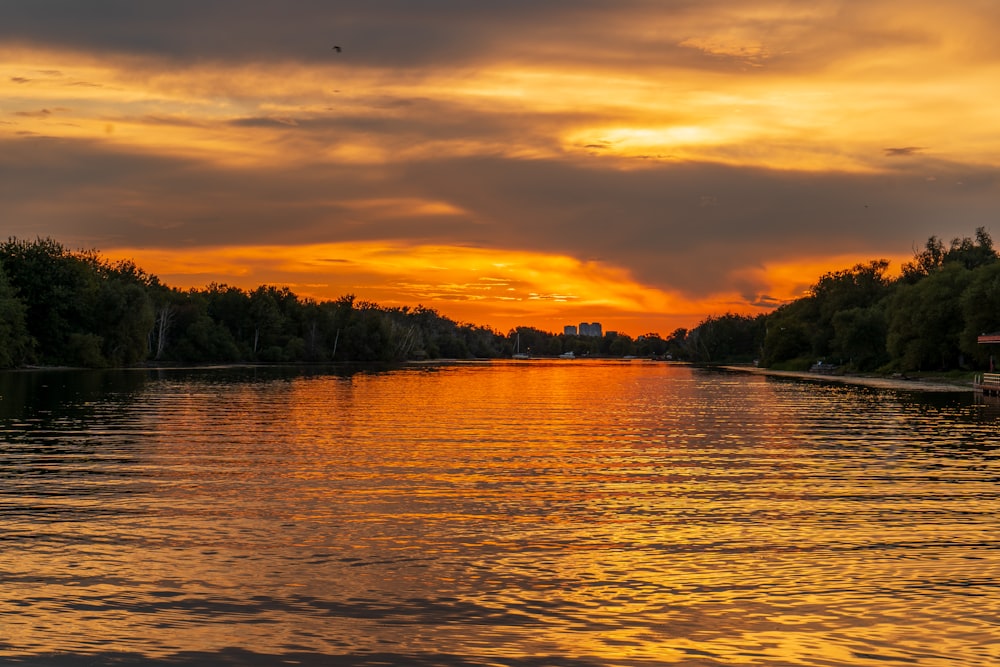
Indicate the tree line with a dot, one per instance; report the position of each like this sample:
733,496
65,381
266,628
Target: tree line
926,319
76,308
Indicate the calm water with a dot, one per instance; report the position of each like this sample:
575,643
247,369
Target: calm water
571,513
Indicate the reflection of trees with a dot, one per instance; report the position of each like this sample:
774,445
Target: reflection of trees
64,394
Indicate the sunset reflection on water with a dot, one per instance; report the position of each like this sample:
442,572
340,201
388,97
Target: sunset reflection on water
578,513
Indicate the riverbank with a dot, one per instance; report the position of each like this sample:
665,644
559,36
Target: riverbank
881,382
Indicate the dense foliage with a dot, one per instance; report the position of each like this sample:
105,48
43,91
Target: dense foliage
927,319
62,307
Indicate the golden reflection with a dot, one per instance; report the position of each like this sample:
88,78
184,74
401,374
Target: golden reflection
597,511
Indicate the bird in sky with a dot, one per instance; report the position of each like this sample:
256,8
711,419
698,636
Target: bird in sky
337,49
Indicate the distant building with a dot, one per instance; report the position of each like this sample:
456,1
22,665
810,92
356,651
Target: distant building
569,330
590,329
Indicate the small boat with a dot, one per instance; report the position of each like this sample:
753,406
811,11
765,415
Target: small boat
517,350
567,355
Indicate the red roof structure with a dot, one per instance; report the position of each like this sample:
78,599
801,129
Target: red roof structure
989,338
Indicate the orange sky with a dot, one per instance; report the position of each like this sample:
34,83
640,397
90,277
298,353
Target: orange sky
639,164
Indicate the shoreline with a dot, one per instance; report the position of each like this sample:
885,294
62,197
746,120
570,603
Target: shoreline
875,381
862,380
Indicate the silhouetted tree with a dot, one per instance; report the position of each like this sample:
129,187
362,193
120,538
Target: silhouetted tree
980,304
859,337
925,320
15,342
970,253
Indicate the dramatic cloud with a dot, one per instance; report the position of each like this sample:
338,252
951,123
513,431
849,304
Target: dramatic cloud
904,151
510,163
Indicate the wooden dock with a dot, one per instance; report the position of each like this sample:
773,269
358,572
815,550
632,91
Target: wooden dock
987,384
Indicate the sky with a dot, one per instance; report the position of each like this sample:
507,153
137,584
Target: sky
641,163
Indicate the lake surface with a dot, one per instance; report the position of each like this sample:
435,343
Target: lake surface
525,514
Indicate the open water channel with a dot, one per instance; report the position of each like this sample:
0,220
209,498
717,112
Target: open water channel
575,513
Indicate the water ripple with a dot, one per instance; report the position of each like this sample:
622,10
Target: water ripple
495,514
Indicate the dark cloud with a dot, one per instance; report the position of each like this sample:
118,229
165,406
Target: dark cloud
386,31
765,301
655,221
652,220
264,122
905,151
626,34
629,34
696,226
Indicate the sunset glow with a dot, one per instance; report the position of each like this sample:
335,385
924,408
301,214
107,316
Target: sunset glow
471,285
645,166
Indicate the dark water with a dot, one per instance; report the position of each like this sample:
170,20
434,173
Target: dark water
570,513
